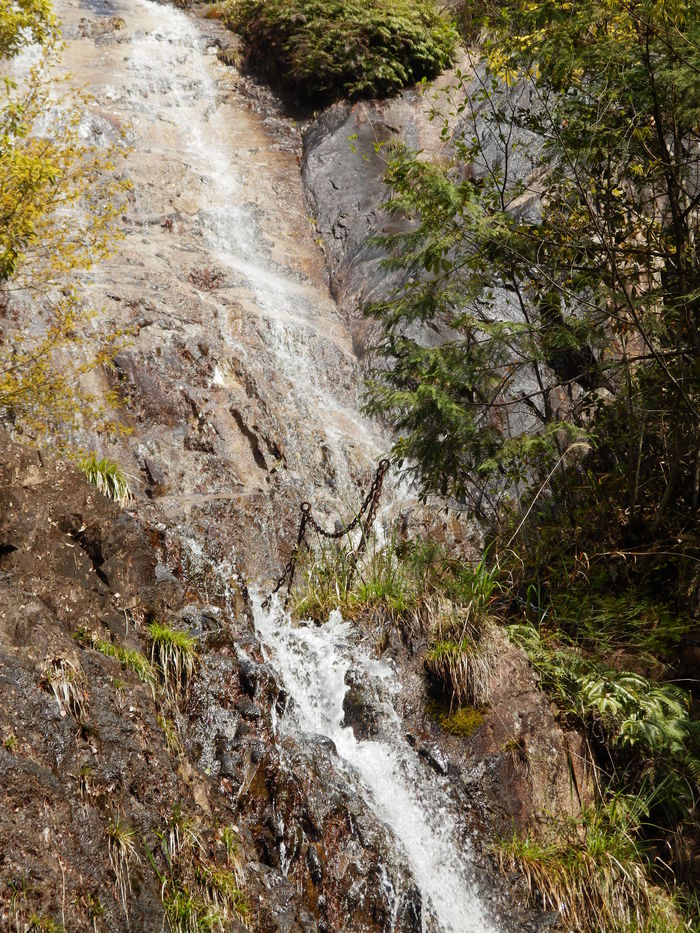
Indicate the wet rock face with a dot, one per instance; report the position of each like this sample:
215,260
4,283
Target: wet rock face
517,765
330,846
533,767
83,740
240,385
343,168
71,560
360,707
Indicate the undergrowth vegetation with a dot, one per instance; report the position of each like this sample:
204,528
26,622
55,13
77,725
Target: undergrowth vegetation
121,843
320,50
130,658
199,892
606,657
421,589
592,872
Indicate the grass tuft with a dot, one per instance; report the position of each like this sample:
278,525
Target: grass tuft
66,683
221,889
107,476
172,737
461,658
129,658
186,911
174,656
121,843
591,871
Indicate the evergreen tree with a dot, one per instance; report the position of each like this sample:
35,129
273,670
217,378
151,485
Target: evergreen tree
557,257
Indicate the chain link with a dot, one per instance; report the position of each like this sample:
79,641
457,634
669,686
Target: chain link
369,506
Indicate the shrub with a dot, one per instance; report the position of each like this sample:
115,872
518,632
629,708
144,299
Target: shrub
320,50
644,725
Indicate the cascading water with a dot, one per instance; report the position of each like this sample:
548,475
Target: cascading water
405,794
172,83
277,352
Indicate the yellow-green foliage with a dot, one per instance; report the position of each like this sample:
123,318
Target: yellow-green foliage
59,201
174,655
24,21
129,658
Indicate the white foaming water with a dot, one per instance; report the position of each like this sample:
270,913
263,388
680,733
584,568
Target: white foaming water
405,794
174,85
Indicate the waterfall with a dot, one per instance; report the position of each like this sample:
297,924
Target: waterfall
402,791
268,341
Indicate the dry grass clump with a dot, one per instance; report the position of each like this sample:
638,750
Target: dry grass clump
121,843
65,680
463,650
592,872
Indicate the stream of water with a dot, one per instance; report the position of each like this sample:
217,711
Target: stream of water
204,196
402,791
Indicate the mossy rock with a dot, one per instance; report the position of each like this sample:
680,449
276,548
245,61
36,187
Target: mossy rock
321,50
229,56
463,721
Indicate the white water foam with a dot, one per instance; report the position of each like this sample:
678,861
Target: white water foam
406,795
174,84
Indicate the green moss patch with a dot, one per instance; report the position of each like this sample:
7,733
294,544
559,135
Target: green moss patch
463,721
321,50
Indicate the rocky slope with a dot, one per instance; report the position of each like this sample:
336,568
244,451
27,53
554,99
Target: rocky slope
88,747
241,391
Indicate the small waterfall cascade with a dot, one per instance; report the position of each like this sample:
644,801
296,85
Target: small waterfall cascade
401,790
203,201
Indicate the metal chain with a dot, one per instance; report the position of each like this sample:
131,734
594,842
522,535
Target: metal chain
370,505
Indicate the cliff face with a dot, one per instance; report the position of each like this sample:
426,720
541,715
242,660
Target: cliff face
91,752
130,797
100,771
84,748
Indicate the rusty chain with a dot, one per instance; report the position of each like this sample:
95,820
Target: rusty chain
369,506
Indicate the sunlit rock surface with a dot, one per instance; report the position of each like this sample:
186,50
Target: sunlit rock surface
241,389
